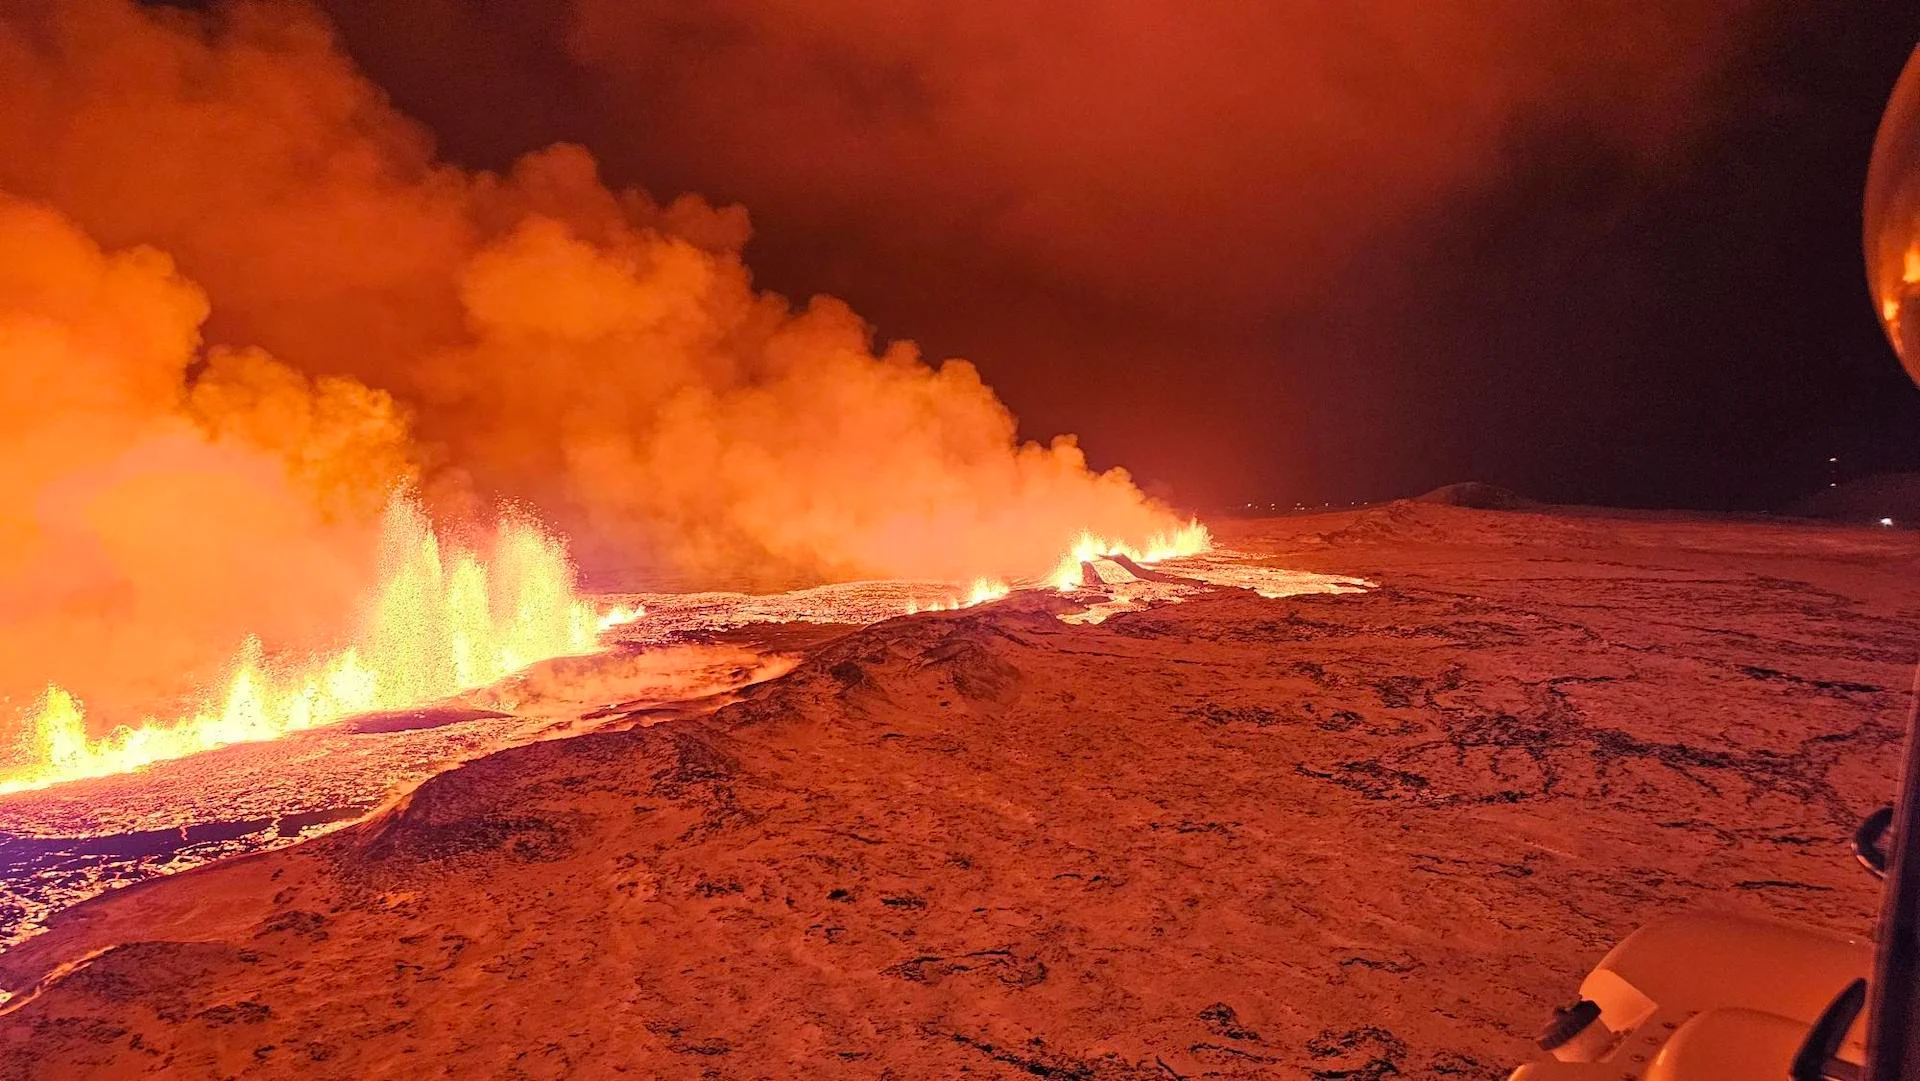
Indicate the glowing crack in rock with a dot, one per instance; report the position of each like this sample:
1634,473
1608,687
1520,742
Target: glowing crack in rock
983,591
441,621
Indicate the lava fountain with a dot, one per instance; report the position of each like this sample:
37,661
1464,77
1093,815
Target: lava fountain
440,621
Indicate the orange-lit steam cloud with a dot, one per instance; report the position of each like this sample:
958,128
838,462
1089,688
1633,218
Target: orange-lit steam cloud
148,526
533,335
1146,219
600,355
1153,152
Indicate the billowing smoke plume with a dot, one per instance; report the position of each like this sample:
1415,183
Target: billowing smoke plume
378,316
150,522
1262,247
1191,159
586,349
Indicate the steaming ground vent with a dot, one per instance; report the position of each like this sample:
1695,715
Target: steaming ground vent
442,621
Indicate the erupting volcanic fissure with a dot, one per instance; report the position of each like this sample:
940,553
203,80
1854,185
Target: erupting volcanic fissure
1191,539
443,621
243,301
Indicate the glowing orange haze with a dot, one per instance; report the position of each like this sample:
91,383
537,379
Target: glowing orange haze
170,179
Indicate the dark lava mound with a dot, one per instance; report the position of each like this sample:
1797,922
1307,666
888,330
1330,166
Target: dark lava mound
1473,495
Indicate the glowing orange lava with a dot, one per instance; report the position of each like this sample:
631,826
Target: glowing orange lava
983,590
619,616
1191,539
440,622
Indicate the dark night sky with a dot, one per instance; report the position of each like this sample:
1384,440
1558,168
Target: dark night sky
1595,252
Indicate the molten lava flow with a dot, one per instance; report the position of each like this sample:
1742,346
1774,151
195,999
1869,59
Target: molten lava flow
441,621
1191,539
619,616
984,590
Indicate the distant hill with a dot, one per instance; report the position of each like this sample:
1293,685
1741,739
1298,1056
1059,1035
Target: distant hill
1475,495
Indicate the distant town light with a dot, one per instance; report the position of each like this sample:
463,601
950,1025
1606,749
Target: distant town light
1886,521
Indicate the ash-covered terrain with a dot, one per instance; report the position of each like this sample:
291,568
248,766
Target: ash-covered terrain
1337,836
